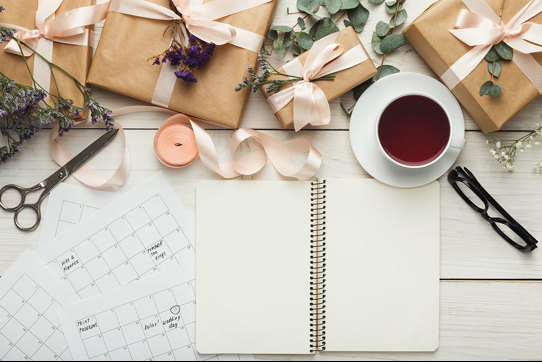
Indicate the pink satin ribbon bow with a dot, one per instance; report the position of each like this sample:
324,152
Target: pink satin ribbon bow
310,102
200,18
481,28
68,28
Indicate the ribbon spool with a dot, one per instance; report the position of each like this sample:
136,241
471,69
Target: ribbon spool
175,143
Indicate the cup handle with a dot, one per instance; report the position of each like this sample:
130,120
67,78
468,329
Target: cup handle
458,144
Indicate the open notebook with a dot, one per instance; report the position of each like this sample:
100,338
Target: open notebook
302,267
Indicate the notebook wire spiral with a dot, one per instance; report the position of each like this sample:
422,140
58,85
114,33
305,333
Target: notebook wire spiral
318,267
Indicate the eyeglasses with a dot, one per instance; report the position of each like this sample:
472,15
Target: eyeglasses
480,201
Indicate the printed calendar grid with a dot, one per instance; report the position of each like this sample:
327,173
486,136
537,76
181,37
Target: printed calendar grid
166,330
19,339
137,243
71,213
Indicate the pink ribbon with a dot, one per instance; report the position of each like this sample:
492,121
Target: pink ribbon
279,154
68,28
481,28
200,19
310,102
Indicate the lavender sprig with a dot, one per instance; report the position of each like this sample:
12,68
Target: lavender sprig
186,58
271,85
24,112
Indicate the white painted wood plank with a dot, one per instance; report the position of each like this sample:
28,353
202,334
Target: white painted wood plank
488,321
258,113
470,248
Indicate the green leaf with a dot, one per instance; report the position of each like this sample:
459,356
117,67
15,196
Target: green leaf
495,92
496,72
280,49
305,41
289,39
375,42
493,56
324,27
505,51
392,42
282,28
486,87
384,71
333,6
401,18
301,23
391,9
308,6
349,4
376,1
296,50
358,17
272,35
382,29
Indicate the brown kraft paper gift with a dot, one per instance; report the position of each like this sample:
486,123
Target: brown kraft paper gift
344,80
123,64
74,59
429,35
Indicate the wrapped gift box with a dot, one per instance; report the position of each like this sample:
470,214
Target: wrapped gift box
75,59
123,64
344,81
430,36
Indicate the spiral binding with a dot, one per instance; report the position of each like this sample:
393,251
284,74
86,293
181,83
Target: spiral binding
318,267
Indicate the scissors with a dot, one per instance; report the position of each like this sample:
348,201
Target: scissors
51,182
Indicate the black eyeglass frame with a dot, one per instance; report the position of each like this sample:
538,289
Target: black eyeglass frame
467,178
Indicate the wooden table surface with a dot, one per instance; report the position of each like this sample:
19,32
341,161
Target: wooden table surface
491,294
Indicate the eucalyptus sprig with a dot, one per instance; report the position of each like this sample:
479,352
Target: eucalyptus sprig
384,42
313,26
499,53
506,152
24,112
267,70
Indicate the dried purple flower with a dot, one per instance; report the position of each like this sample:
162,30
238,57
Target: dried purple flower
186,76
187,58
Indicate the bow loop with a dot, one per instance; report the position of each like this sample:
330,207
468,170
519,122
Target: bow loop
201,24
474,29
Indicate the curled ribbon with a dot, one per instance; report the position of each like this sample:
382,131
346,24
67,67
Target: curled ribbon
201,19
68,28
198,141
280,154
481,28
310,102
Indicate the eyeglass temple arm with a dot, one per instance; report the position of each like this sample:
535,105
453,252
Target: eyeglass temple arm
495,204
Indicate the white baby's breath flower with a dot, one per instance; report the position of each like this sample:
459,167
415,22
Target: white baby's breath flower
498,144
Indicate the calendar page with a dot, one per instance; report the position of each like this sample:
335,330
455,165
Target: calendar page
30,330
142,232
152,319
67,206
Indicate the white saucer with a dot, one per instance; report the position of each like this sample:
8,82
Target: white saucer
363,123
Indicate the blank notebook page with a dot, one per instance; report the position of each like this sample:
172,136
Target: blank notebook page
253,267
382,267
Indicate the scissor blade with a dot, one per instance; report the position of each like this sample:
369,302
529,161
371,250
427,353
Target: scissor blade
90,151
